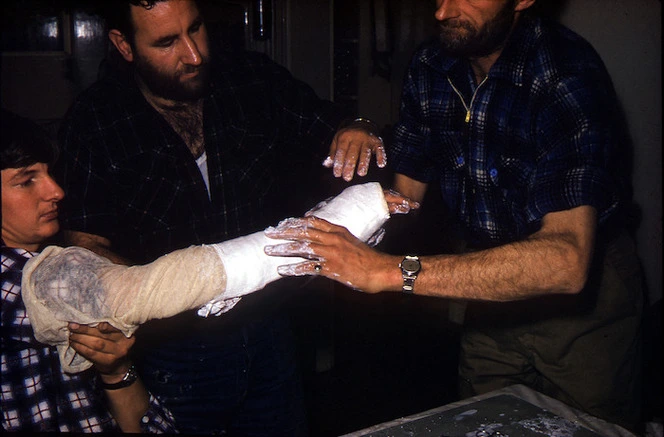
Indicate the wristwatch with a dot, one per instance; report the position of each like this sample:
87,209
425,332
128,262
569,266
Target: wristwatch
410,267
130,377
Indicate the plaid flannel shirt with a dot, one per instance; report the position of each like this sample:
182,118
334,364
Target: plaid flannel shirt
37,396
130,178
541,133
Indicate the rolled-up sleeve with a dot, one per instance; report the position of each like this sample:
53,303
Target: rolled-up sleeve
158,420
577,138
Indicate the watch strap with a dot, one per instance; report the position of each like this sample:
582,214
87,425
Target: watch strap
408,284
128,379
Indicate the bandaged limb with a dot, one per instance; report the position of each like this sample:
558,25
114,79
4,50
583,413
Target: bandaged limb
361,209
72,284
76,285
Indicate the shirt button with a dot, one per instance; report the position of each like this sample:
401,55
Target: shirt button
145,419
460,160
493,172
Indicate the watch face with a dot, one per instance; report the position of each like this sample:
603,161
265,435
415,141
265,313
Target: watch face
410,265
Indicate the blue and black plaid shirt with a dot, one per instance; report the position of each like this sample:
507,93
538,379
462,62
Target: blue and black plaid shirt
541,133
37,396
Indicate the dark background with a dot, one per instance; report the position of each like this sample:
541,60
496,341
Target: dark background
365,359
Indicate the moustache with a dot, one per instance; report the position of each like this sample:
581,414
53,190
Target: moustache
451,23
191,69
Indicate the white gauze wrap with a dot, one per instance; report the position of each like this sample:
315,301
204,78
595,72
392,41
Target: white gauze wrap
73,284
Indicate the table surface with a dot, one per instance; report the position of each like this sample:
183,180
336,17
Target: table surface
515,411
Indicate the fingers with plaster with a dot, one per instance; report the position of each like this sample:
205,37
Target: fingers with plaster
329,250
399,204
396,203
304,237
318,207
352,148
305,231
376,238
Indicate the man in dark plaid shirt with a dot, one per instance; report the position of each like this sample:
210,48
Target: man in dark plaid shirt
193,147
515,118
36,394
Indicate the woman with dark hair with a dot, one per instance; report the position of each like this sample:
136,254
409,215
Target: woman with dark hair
37,395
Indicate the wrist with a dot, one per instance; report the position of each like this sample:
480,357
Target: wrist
119,380
362,121
113,374
410,269
365,124
112,378
391,277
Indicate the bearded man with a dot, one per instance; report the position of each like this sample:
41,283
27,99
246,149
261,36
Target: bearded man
177,145
515,118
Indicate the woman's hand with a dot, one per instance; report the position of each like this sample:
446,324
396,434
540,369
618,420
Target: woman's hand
105,346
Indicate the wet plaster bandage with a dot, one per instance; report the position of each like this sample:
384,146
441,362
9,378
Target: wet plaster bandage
73,284
360,208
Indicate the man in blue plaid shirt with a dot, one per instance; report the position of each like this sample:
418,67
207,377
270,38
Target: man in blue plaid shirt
36,394
515,118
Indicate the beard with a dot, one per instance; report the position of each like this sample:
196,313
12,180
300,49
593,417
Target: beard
460,39
169,86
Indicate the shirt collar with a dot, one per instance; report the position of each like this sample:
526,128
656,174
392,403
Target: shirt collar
511,64
9,251
14,257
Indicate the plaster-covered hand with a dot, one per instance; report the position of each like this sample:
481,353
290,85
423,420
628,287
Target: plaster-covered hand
352,148
343,253
361,209
396,204
342,257
105,346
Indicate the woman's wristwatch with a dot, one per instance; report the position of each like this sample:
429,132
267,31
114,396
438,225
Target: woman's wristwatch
128,379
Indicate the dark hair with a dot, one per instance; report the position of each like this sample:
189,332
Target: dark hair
24,142
117,14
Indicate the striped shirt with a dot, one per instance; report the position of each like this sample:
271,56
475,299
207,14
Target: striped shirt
37,396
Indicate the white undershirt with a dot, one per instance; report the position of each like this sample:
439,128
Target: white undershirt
201,161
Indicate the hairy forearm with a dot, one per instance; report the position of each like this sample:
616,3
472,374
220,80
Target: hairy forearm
553,260
533,267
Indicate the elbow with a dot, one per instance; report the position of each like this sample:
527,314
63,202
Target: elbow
575,273
576,285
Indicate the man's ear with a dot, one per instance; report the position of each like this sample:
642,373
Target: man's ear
522,5
121,43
